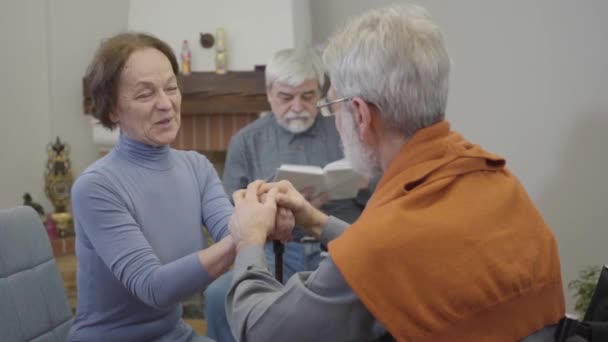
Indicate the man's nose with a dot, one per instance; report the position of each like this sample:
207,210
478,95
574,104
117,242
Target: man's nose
297,105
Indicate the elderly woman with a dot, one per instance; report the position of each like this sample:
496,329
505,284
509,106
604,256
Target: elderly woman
139,209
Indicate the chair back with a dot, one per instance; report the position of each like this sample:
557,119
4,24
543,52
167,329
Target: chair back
33,302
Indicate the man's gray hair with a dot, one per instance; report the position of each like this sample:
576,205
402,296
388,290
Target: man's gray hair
295,66
395,58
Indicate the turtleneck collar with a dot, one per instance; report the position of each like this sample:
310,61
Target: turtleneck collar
151,157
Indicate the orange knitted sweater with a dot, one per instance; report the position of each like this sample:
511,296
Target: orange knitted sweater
451,248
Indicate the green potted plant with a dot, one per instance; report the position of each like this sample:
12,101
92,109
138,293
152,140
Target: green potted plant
583,287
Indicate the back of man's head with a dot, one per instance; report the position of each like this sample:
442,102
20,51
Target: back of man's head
294,66
395,58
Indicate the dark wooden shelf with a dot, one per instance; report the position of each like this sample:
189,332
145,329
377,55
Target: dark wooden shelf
235,92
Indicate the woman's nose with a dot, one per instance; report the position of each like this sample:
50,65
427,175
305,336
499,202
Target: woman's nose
164,101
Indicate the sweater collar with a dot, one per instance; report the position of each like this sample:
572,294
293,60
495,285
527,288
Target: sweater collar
432,153
148,156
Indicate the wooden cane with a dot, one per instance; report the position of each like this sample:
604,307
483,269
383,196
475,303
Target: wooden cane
279,250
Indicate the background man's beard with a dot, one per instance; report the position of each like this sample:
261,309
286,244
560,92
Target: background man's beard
290,123
362,158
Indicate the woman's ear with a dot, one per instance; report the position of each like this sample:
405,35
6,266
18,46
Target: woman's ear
364,117
113,117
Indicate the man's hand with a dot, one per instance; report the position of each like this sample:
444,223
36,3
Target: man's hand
306,215
285,222
252,220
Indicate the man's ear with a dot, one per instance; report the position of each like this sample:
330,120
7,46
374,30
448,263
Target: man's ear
365,120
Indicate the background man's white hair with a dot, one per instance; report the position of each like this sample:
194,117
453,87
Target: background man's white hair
395,58
294,66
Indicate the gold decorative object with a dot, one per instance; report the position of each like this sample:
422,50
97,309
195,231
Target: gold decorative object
64,224
221,60
58,181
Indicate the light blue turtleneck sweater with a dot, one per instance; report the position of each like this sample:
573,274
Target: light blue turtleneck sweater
138,213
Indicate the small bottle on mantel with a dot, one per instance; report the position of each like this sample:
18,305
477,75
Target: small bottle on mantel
186,58
221,59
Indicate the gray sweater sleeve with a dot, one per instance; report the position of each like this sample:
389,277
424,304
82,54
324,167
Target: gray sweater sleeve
216,207
236,174
119,242
312,306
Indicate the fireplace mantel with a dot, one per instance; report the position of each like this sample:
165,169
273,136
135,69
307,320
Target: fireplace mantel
235,92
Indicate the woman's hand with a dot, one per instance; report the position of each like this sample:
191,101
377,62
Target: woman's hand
253,220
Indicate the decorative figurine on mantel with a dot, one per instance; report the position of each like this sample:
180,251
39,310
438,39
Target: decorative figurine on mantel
58,181
186,58
207,40
221,59
28,201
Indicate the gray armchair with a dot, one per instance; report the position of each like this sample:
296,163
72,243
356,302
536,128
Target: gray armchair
33,303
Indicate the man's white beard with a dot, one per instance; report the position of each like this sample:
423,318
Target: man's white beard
296,122
363,159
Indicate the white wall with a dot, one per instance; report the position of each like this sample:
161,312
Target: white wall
529,82
46,48
254,29
70,51
302,23
24,94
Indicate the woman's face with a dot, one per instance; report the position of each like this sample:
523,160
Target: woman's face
148,102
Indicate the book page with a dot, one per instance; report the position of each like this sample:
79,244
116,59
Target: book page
336,178
343,184
314,170
340,164
302,176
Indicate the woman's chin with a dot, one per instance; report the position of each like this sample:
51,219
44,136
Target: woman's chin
164,138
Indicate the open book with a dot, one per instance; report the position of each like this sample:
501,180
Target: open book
338,178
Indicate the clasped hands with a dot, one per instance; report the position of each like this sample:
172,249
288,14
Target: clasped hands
265,211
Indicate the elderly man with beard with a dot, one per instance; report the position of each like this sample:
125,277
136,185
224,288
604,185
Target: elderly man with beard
293,133
449,248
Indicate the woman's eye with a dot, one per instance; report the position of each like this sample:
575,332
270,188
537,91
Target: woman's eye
144,96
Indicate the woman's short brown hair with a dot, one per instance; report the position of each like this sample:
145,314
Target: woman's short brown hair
103,74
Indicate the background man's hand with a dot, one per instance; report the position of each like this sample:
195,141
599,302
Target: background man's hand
316,200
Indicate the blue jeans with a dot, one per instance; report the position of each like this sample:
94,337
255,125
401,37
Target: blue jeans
298,257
